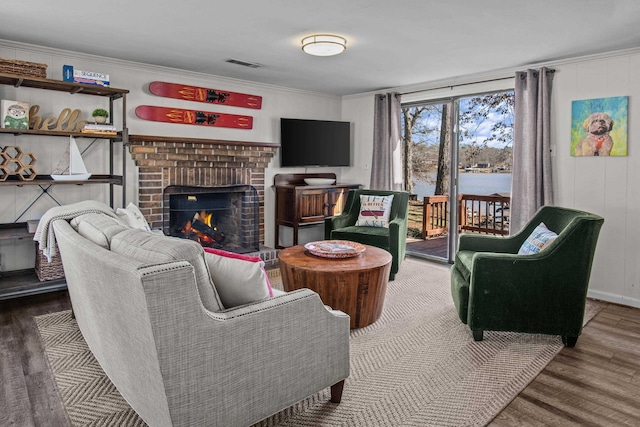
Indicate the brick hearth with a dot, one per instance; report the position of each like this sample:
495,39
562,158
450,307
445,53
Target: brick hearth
164,161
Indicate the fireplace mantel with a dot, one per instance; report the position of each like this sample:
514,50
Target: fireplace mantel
178,139
166,160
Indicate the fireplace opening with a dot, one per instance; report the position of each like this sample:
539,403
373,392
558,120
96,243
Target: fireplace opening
217,217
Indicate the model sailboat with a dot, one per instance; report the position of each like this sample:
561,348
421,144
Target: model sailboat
75,169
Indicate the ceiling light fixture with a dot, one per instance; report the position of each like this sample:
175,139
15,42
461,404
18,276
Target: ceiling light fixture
324,45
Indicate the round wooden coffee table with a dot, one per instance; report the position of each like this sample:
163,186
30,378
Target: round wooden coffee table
354,285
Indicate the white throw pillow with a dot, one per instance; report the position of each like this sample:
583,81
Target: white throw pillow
374,211
132,216
540,238
237,280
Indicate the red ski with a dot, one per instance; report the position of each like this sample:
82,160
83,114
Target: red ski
193,117
203,94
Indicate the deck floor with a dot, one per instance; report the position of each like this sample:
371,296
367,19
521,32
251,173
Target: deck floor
435,246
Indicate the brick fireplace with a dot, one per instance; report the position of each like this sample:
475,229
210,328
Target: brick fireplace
223,217
171,161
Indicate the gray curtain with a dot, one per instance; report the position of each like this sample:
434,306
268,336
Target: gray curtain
531,185
386,165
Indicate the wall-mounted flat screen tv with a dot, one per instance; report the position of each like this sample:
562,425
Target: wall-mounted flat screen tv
314,143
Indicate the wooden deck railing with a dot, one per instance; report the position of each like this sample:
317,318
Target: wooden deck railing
435,215
484,214
476,213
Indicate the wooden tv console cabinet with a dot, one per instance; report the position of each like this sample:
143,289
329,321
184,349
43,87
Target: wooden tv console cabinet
299,204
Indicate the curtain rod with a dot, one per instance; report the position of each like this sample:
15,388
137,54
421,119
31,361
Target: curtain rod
467,84
457,85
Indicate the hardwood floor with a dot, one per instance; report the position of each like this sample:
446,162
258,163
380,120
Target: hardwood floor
28,396
597,383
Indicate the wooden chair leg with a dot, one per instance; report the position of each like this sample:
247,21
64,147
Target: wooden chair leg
336,392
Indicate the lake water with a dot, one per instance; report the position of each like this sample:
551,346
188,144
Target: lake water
471,183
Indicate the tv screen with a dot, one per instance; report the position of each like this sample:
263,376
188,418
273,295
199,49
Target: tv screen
314,143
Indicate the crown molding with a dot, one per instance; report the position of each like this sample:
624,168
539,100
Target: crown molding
141,66
479,78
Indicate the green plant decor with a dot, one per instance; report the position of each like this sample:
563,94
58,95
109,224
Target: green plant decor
100,112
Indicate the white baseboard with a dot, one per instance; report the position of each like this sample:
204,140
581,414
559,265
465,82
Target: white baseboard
614,298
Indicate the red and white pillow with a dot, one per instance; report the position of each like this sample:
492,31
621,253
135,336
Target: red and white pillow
374,211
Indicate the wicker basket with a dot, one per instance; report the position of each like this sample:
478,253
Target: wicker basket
48,270
23,68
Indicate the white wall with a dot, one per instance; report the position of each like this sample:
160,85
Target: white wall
359,111
277,102
605,186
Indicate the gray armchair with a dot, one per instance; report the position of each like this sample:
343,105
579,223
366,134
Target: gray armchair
151,316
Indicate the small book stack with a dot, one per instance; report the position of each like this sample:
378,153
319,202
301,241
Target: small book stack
85,77
97,128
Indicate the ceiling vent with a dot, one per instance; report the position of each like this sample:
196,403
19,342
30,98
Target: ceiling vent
243,63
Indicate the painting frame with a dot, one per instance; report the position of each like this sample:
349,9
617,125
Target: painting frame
599,127
14,114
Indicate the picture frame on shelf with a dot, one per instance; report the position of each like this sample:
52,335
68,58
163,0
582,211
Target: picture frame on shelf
15,114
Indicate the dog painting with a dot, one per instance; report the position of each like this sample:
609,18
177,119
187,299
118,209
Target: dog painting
597,141
599,127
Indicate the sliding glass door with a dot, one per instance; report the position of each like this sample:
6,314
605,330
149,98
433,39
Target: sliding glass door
427,134
457,169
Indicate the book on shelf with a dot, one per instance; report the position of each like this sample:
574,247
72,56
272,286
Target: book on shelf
102,129
101,132
86,77
96,126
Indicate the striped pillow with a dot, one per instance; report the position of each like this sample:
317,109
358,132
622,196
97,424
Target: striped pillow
540,238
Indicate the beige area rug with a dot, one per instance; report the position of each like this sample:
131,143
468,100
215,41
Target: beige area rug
416,366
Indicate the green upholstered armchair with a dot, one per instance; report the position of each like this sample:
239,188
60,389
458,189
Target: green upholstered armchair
392,239
496,289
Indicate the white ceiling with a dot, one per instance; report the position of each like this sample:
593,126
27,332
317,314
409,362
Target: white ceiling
390,43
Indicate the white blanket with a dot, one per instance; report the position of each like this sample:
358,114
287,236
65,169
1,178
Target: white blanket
44,233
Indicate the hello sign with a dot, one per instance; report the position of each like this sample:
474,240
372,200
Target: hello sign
68,120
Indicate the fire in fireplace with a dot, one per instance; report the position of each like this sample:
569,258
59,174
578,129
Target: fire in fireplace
200,229
217,217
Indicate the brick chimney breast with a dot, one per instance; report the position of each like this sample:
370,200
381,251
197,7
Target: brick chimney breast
164,161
